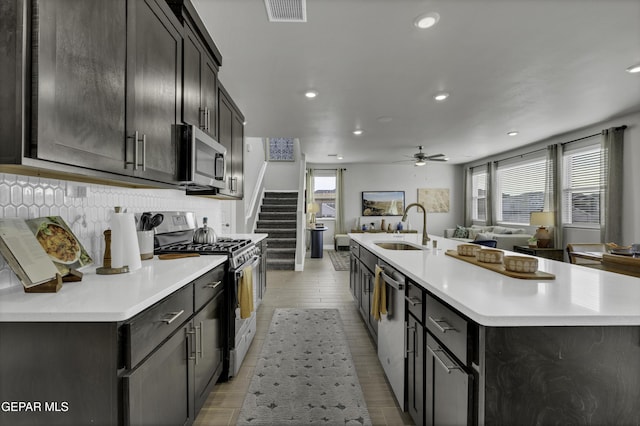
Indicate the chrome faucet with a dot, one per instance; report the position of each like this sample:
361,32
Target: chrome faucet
425,237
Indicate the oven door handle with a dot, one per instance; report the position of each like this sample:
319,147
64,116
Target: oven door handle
255,260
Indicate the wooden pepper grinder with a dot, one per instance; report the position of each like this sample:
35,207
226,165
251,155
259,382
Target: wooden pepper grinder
106,261
382,225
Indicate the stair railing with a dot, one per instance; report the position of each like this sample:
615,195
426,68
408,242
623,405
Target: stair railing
301,220
256,199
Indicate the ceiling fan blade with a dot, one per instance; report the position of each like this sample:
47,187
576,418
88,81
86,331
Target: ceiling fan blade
431,157
438,159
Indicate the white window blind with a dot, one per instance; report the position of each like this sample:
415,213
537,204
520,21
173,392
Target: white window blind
581,186
520,187
479,193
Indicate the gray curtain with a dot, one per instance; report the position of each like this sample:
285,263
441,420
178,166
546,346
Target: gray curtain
490,185
611,185
310,191
552,193
339,201
468,199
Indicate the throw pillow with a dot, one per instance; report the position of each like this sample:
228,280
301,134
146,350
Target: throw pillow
461,232
473,232
501,230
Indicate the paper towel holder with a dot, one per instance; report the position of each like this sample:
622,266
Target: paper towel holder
106,268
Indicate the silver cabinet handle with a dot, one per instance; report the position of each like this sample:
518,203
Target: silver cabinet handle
144,152
448,368
201,339
413,300
136,140
393,283
213,285
190,334
202,116
134,163
198,329
208,118
444,329
407,351
174,316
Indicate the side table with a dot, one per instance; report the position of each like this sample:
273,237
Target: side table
316,242
547,253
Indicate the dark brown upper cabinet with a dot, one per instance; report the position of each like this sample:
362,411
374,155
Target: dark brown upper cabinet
231,136
107,83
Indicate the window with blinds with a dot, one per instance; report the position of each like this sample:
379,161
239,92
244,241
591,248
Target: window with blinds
324,184
520,187
479,194
581,186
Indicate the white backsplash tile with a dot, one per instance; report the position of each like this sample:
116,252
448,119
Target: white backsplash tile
87,207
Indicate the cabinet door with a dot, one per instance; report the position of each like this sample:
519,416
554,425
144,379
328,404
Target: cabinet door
79,65
157,392
192,111
225,124
209,95
207,325
448,388
373,323
154,80
415,370
237,156
364,293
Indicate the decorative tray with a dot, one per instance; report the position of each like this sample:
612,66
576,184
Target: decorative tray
499,268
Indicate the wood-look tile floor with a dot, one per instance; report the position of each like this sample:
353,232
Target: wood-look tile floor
318,286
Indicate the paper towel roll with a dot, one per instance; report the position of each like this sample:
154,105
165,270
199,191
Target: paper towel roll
124,242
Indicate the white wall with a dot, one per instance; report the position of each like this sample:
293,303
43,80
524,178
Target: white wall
408,178
630,208
284,175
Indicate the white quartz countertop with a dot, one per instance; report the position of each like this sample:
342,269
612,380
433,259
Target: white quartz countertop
100,298
577,296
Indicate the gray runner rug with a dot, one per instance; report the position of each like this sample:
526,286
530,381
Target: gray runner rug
305,374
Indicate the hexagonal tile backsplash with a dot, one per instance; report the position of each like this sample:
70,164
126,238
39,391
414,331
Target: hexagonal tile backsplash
86,208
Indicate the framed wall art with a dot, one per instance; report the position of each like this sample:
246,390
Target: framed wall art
382,203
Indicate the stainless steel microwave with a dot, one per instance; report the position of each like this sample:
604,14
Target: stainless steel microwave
201,159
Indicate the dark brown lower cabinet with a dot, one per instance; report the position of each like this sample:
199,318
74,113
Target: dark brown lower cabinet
157,392
415,369
156,368
449,388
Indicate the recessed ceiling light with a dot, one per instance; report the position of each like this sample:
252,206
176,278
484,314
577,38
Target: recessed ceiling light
512,133
358,132
633,69
311,94
427,20
441,96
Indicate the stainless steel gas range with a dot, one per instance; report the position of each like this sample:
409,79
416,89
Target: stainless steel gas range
175,235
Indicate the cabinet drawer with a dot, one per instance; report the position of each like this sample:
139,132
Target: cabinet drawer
148,329
207,286
448,326
415,301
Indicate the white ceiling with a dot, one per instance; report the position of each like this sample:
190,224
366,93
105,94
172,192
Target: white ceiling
541,67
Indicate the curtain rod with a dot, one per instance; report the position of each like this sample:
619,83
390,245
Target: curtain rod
313,168
623,127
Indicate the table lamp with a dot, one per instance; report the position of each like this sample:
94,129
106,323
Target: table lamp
542,219
312,209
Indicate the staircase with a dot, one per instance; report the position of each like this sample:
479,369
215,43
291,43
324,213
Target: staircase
277,218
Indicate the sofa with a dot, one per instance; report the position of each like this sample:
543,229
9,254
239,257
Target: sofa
505,237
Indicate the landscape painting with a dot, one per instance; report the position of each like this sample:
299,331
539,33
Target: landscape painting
382,203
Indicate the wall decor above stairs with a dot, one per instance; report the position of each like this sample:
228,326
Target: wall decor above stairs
277,218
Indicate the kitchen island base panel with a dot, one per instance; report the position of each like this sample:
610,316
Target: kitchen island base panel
560,375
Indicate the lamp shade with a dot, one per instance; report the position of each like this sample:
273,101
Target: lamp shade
542,218
313,208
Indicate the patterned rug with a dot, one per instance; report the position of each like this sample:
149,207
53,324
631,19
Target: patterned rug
305,374
340,259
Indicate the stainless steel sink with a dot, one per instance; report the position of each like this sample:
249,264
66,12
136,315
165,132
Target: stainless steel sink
397,246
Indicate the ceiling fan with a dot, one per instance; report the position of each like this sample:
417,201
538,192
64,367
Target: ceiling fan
420,158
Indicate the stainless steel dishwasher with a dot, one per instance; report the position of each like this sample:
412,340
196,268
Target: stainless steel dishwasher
391,331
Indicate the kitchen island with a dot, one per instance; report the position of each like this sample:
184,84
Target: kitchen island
516,351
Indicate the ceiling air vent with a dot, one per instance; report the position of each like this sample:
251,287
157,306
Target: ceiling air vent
286,10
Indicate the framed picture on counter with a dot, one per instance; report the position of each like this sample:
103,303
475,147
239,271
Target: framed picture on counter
382,203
